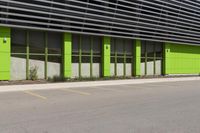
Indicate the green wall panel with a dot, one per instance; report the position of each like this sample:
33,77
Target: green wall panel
5,43
181,59
67,55
137,58
106,57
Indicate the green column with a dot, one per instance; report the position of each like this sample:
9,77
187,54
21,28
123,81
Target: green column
166,59
67,55
106,57
5,45
137,58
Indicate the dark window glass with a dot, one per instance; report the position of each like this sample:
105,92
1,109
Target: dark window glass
75,59
56,59
37,42
129,47
18,40
85,43
142,60
150,48
96,59
54,43
143,48
97,41
19,56
150,59
128,60
75,43
37,57
119,46
112,60
112,45
159,50
120,60
85,59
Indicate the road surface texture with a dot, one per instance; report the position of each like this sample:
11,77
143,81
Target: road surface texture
146,108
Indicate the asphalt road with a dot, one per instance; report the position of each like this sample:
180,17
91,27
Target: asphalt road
148,108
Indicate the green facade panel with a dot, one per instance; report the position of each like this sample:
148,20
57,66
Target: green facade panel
67,55
5,43
181,59
106,56
137,58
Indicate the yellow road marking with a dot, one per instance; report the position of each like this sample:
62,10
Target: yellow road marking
76,91
35,95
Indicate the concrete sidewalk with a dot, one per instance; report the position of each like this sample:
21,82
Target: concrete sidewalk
13,88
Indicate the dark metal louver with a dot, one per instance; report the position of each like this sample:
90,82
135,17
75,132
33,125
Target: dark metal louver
158,20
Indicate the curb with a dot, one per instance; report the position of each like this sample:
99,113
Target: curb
50,86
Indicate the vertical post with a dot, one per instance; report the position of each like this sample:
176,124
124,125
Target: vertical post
106,57
80,55
137,58
91,57
46,55
67,55
27,55
5,45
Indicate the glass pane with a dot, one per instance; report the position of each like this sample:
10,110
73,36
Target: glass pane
97,41
54,43
37,57
143,49
75,43
18,39
129,46
75,59
119,46
112,60
86,59
159,50
96,59
150,48
56,59
142,60
120,60
37,42
128,60
86,43
112,45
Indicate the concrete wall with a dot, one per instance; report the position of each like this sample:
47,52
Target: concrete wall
120,69
128,69
158,67
96,70
85,69
18,68
112,69
53,69
142,68
75,70
150,68
40,65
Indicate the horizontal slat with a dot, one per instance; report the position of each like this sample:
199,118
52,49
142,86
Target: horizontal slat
173,21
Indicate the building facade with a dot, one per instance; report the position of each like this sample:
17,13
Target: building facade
98,38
